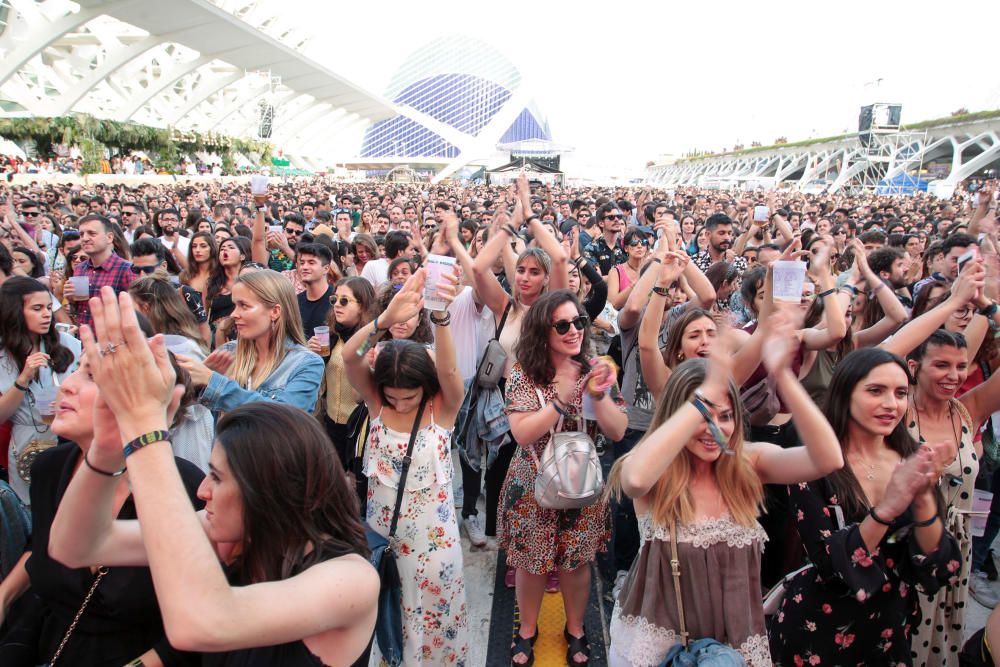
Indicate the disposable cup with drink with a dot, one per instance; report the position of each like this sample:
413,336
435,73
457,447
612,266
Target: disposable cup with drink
81,287
45,402
323,336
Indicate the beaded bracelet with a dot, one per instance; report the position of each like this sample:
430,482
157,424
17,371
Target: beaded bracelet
145,439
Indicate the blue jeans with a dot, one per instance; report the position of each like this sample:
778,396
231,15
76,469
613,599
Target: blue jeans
625,527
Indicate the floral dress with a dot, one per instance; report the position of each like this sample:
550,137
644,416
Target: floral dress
539,540
937,640
854,606
428,547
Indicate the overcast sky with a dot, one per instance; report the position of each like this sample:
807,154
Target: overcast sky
625,81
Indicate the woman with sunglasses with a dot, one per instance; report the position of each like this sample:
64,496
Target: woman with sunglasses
353,307
623,276
545,392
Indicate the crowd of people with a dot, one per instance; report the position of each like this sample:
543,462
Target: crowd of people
210,394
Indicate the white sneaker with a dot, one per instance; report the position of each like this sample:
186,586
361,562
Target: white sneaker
474,529
982,590
619,583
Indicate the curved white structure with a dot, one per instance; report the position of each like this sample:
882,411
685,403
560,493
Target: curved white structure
190,64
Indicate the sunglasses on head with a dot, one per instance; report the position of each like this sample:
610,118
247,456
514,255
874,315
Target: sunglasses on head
579,323
342,300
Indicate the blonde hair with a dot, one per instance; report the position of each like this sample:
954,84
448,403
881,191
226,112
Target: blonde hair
670,497
273,289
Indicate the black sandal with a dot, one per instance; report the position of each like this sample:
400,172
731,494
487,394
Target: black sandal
576,645
523,646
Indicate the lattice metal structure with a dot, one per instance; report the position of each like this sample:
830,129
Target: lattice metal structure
965,147
189,64
458,99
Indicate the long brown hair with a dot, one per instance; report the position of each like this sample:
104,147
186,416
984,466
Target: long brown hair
192,269
532,348
670,497
675,337
165,308
298,508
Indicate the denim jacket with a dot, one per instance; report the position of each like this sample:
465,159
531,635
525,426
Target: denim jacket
295,382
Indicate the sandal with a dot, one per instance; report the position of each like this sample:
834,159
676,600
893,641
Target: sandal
576,645
523,646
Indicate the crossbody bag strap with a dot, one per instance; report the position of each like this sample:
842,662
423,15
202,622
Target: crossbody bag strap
675,569
552,430
503,318
101,571
406,469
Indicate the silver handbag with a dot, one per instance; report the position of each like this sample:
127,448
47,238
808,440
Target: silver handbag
569,471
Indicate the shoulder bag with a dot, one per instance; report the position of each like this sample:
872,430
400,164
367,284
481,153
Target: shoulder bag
389,623
705,652
491,366
569,471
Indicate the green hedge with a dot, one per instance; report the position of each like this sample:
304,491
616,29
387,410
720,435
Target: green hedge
92,135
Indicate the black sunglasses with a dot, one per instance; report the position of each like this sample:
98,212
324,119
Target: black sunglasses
614,216
579,323
31,214
342,300
143,269
638,242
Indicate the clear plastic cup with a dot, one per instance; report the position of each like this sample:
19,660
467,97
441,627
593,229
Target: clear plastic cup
45,402
81,287
323,335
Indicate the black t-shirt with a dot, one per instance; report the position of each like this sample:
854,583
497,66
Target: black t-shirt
314,312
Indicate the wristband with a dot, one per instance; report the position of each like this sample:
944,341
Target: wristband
713,428
102,472
662,291
555,404
656,259
928,522
20,387
877,287
261,209
145,439
442,322
851,288
989,311
877,518
826,293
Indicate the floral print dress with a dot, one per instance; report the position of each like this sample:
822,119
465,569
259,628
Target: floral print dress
539,540
428,547
854,606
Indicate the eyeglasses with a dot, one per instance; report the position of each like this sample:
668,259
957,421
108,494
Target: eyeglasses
162,220
143,269
638,242
342,300
579,323
614,216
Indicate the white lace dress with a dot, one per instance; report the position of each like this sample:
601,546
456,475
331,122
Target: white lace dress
720,587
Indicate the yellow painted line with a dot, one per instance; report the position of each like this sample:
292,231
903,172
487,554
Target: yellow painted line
550,649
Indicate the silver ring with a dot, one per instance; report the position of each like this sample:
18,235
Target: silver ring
110,349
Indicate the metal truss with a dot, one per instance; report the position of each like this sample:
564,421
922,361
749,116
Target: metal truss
967,147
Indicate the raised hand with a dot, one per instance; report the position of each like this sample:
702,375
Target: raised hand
780,344
407,302
134,375
672,265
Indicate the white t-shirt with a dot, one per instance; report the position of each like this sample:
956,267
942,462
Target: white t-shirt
466,327
376,272
183,243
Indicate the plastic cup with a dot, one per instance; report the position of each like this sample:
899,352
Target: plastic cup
81,287
258,184
45,402
323,335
